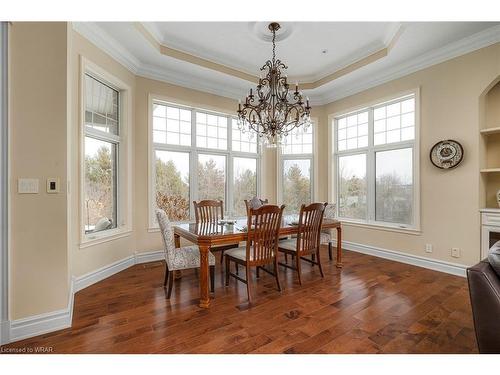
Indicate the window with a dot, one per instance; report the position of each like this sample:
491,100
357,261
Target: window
374,153
296,169
198,154
101,145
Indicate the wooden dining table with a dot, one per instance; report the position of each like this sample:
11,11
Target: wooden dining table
207,235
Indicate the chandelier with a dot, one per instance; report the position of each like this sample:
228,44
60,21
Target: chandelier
274,111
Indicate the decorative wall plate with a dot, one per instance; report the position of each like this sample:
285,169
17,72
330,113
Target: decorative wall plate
447,154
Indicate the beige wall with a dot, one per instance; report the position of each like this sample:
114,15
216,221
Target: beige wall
37,126
45,73
449,102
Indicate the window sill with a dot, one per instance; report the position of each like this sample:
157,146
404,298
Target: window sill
388,228
93,240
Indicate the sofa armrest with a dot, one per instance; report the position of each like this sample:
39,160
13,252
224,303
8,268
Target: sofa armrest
484,289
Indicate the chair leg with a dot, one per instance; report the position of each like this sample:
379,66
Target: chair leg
170,283
286,258
319,264
221,256
298,269
237,269
313,258
276,273
330,250
257,272
212,279
249,292
227,270
166,275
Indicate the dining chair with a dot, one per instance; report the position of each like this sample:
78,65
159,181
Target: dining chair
255,203
326,237
209,212
308,238
181,258
261,248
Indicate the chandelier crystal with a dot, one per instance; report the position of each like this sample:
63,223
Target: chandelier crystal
274,111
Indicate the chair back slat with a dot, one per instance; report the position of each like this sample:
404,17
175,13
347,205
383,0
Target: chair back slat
263,234
310,221
208,211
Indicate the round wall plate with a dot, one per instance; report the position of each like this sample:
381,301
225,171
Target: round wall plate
447,154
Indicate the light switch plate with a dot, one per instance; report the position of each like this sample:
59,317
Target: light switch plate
52,185
27,186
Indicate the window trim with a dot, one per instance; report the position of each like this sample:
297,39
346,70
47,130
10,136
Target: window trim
124,156
194,151
333,158
314,165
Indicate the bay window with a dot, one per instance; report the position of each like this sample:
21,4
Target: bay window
199,154
296,169
375,156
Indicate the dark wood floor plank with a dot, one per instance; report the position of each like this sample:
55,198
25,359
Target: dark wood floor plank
372,305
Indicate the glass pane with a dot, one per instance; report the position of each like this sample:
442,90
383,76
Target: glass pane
352,186
214,127
101,106
100,185
172,184
394,186
296,184
177,132
300,142
244,183
211,177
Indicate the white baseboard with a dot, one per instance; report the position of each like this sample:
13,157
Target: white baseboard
82,282
398,256
150,256
39,324
53,321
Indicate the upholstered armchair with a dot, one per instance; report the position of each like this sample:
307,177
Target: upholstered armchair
181,258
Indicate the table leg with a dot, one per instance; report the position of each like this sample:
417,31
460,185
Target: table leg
204,296
339,247
177,242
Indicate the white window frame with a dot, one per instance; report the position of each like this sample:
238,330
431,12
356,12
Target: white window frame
124,156
194,151
311,156
370,151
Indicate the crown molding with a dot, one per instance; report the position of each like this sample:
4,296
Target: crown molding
452,50
105,42
190,82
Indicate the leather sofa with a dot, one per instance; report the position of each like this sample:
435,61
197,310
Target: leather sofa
484,289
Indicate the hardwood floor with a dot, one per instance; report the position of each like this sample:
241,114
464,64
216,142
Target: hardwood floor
372,305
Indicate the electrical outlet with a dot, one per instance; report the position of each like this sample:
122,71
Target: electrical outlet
428,248
455,252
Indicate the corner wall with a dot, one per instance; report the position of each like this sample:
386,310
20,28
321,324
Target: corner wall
39,278
449,109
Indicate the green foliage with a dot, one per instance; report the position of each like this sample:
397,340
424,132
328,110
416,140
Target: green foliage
245,187
99,186
172,192
296,189
211,181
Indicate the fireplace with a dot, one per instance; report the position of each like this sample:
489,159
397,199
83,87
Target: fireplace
490,229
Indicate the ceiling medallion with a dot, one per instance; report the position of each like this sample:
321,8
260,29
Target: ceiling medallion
274,111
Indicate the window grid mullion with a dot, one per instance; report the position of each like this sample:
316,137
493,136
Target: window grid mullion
370,170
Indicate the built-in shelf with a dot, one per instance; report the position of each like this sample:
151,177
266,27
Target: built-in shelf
489,131
490,170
